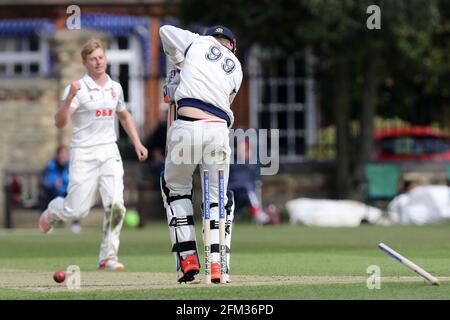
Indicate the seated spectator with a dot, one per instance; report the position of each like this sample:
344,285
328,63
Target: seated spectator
15,187
55,176
244,180
55,179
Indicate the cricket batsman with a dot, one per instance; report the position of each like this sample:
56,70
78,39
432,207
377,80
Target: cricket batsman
91,104
202,86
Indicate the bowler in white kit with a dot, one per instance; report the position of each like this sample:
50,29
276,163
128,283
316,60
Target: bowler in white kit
91,105
207,77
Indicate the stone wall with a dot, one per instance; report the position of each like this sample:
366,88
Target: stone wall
28,137
293,181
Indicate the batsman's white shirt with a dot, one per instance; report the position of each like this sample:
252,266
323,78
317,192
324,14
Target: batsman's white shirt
211,72
95,107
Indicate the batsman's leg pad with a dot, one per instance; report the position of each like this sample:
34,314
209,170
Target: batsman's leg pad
214,232
181,225
229,209
214,227
180,219
182,233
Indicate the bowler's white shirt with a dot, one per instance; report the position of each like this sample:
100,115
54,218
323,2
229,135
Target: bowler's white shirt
94,118
211,72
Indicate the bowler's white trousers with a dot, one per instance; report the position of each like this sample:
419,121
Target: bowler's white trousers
95,168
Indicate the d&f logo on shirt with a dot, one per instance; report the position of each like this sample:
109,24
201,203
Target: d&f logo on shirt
101,113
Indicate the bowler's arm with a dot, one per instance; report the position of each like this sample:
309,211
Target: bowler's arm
127,122
63,115
69,105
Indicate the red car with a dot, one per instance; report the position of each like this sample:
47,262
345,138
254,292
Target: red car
411,143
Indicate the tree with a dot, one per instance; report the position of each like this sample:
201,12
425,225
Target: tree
412,86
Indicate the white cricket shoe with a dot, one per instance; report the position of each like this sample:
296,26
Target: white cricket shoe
261,218
46,221
109,264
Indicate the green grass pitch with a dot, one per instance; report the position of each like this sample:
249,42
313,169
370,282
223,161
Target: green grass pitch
323,263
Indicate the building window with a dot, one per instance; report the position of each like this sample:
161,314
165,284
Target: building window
24,57
282,97
125,65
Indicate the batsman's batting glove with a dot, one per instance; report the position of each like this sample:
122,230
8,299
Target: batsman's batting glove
172,82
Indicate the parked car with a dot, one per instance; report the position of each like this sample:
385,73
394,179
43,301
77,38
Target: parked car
411,143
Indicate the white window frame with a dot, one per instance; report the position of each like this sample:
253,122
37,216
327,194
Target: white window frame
134,59
9,57
308,107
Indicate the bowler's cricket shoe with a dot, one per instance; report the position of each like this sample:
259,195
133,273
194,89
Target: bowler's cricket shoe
46,221
110,265
189,268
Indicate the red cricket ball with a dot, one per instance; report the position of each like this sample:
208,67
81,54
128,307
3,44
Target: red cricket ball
59,276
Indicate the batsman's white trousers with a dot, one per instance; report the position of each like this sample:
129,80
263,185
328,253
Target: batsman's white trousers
91,169
193,143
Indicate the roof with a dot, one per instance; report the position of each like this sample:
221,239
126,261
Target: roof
24,27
